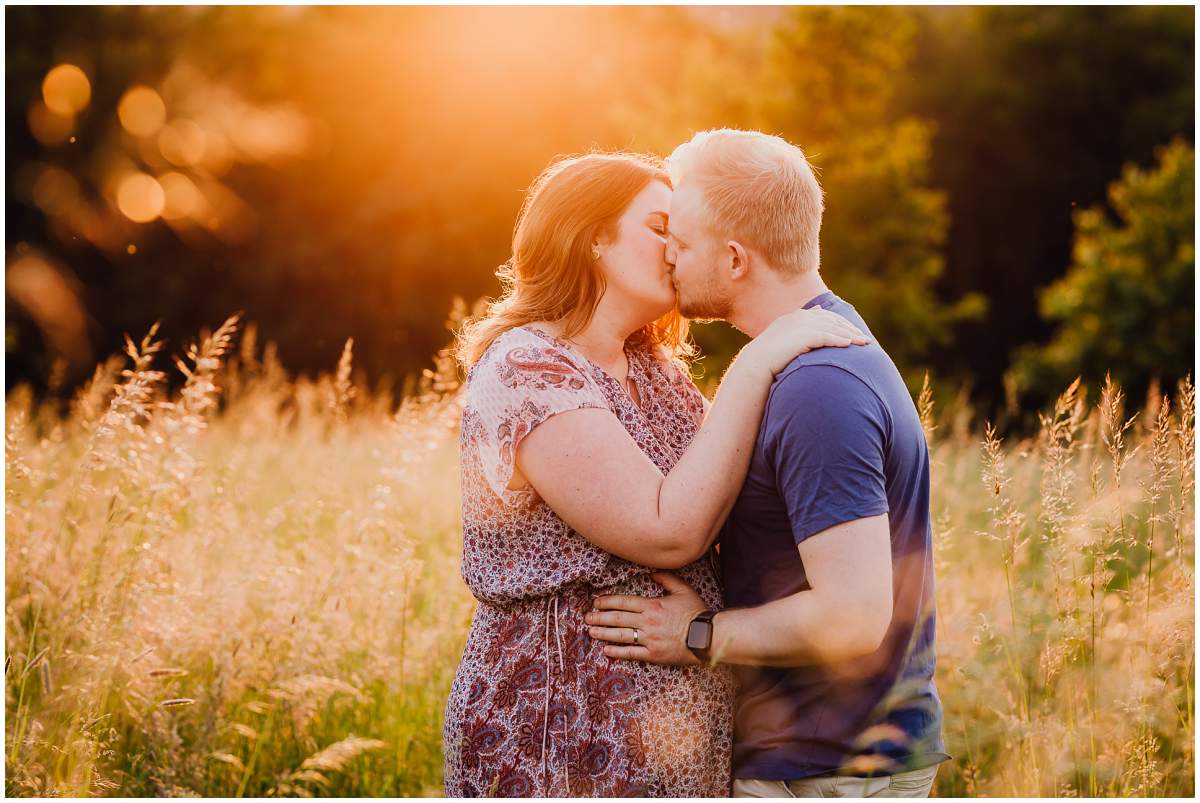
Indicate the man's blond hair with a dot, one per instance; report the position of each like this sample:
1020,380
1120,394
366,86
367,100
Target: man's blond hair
760,190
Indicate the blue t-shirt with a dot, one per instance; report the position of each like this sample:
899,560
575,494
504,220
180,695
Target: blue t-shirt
840,440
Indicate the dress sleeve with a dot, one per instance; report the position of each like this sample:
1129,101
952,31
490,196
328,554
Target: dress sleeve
520,382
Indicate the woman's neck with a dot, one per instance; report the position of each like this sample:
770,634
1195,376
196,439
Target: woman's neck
602,340
604,347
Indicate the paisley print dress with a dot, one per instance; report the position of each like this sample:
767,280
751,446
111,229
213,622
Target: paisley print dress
536,708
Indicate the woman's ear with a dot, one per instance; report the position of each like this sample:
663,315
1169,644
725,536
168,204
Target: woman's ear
601,240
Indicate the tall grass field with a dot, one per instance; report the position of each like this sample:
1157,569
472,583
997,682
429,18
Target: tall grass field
248,585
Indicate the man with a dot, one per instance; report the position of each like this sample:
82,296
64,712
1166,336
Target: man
826,556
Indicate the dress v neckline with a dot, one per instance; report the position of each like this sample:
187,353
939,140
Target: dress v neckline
596,366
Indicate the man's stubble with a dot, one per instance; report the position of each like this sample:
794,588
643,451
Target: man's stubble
711,302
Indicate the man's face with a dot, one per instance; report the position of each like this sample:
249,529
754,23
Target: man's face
696,256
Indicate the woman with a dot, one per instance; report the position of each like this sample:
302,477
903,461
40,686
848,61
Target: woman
579,366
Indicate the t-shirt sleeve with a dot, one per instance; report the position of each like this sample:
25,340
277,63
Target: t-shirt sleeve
519,383
825,438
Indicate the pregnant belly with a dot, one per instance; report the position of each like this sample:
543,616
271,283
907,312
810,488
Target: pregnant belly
534,685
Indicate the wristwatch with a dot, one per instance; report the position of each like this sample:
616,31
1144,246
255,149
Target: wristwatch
699,635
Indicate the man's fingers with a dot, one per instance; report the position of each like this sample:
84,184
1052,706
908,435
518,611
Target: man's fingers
620,603
671,582
628,653
613,619
616,635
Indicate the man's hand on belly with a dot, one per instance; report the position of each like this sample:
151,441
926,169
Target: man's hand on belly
644,629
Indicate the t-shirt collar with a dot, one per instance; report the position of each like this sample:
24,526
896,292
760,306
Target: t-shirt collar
820,300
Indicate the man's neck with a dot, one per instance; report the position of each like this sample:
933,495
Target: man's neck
754,311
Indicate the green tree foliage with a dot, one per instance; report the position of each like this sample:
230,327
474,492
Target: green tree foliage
885,224
1124,305
824,79
1036,108
953,144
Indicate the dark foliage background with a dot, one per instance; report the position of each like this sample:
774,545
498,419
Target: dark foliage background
347,172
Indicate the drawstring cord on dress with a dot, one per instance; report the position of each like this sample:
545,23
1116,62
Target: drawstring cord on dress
546,708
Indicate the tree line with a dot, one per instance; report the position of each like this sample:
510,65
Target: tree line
1009,190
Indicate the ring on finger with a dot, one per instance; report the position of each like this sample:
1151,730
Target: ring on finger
636,636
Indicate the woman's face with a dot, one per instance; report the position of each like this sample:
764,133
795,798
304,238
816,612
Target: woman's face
634,262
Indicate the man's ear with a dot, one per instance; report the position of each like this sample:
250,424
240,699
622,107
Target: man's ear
739,260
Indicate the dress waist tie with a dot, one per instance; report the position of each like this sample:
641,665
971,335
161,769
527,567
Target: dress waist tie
552,615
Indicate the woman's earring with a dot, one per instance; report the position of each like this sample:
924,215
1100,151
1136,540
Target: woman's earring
595,252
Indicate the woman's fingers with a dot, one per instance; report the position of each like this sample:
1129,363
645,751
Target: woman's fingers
836,339
850,330
832,322
843,328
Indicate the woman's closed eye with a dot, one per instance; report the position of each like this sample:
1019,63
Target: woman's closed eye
657,221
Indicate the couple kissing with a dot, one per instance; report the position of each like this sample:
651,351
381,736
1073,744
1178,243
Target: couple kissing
679,598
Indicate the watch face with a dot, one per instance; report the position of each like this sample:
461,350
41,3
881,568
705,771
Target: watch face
699,635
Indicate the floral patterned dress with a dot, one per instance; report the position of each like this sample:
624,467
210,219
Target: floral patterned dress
537,709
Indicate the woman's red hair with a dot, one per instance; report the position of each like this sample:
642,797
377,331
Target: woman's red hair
551,275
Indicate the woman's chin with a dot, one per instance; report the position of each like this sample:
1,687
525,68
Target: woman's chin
654,307
666,304
654,312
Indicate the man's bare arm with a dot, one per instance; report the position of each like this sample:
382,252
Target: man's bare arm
843,615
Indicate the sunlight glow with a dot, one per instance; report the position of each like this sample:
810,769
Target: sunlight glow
66,90
48,127
182,199
182,142
141,111
55,191
141,198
